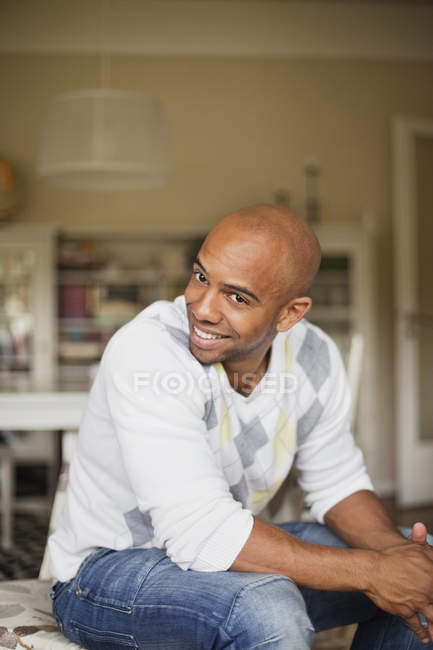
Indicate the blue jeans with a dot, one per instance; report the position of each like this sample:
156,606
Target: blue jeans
137,598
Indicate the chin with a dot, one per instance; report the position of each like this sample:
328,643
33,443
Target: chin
206,356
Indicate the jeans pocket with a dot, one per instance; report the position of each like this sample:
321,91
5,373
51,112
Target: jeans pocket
112,579
93,639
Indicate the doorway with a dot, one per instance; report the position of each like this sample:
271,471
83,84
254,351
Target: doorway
413,272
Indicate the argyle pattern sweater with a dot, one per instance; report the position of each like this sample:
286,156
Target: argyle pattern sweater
171,456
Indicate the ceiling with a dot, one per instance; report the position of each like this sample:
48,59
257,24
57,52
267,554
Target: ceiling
381,29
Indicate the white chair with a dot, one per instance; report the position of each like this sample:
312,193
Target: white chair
26,618
43,416
354,371
40,448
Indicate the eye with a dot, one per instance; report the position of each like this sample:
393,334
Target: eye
239,300
199,276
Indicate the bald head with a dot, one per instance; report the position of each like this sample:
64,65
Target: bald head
286,237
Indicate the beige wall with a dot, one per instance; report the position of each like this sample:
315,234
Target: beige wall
239,128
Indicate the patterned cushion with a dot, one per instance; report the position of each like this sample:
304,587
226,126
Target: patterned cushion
26,620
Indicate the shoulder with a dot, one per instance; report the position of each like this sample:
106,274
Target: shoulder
315,353
158,332
322,391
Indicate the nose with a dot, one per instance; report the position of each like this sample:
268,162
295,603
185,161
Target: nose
206,308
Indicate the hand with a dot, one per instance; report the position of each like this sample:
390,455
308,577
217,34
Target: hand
402,582
419,536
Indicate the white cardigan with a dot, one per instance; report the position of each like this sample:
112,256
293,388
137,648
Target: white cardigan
170,456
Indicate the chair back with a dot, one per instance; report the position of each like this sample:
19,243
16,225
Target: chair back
69,444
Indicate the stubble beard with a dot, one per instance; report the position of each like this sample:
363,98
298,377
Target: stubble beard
234,354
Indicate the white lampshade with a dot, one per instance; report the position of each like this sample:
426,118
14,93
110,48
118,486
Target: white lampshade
104,140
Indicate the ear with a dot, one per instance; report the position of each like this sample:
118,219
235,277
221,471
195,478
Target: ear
291,313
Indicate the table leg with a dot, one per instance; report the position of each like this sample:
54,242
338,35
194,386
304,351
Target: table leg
7,489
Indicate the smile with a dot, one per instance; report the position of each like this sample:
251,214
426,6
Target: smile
206,335
206,340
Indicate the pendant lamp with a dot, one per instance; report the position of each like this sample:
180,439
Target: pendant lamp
104,139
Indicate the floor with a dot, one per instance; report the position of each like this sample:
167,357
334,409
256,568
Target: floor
30,531
24,559
410,516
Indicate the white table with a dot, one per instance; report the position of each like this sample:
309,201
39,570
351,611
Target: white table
33,411
41,411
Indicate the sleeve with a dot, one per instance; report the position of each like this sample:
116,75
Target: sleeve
157,409
330,465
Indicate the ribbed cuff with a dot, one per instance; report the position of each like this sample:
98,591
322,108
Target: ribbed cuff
222,548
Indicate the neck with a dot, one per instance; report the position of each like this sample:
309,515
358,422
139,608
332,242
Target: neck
245,374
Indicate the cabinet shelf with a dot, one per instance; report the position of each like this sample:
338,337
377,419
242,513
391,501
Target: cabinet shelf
91,278
90,323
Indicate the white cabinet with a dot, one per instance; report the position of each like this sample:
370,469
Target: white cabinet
27,309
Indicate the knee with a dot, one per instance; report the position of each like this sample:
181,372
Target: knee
270,610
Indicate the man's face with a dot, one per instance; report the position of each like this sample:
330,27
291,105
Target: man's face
233,298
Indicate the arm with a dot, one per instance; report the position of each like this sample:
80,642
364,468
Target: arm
271,550
397,577
362,521
168,463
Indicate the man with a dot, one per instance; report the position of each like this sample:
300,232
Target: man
197,413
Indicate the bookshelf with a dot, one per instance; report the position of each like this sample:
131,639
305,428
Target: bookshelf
103,282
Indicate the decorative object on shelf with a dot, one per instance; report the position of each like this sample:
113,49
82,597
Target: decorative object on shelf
282,198
10,190
312,201
104,139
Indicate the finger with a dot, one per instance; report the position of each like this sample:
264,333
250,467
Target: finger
419,533
426,618
419,629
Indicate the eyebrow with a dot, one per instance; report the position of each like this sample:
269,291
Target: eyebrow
231,286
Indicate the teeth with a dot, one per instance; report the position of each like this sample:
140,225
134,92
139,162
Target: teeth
206,335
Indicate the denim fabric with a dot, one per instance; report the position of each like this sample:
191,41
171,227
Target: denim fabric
137,598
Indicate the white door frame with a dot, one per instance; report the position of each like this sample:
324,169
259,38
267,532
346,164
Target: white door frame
414,456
